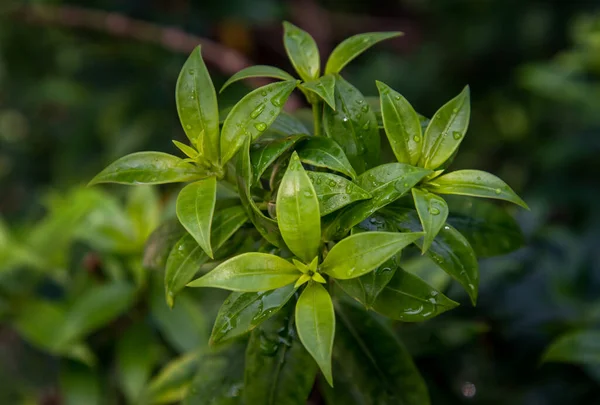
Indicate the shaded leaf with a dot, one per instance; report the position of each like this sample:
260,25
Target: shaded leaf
257,71
326,153
335,192
323,87
173,380
265,152
578,347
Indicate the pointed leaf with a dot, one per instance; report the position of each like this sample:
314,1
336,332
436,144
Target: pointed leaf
335,192
402,125
265,152
315,322
258,71
242,312
353,126
186,149
361,253
433,212
409,299
298,212
250,272
324,87
372,365
148,168
475,183
446,131
351,47
195,210
278,368
302,50
579,347
171,383
197,107
252,116
325,152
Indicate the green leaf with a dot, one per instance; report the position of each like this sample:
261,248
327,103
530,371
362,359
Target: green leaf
324,87
326,153
219,379
433,212
446,131
159,244
148,168
278,368
258,71
298,212
475,183
315,322
353,125
302,50
335,192
136,356
449,250
252,116
286,124
402,125
172,382
266,151
143,207
385,183
361,253
372,366
195,210
578,347
242,312
250,272
490,230
80,385
41,323
265,226
197,107
352,47
407,298
187,150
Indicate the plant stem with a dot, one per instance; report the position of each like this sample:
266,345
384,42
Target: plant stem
316,109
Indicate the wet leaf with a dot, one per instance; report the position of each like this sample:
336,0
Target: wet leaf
433,212
258,71
323,87
352,47
268,150
326,153
302,50
335,192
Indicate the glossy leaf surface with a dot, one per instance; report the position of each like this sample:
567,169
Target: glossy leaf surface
315,322
287,124
250,272
264,153
475,183
242,312
353,126
323,87
148,168
446,131
298,212
257,71
186,149
197,106
352,47
326,153
302,50
363,252
252,116
402,125
433,212
579,347
195,210
335,192
279,370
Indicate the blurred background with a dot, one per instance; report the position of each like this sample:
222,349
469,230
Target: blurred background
85,82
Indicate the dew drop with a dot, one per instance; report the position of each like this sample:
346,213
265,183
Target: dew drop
349,188
478,177
406,185
397,98
366,126
434,211
345,119
456,135
257,111
191,71
365,108
307,194
455,110
261,126
358,116
332,183
188,126
359,101
498,191
318,181
263,93
417,138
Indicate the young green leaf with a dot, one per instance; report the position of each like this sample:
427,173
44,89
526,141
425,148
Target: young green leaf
171,383
363,252
315,322
149,168
250,272
257,71
401,124
578,347
335,192
252,116
195,210
323,87
278,370
325,152
409,299
242,312
446,131
298,212
353,126
197,107
433,212
187,150
268,149
352,47
302,50
475,183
